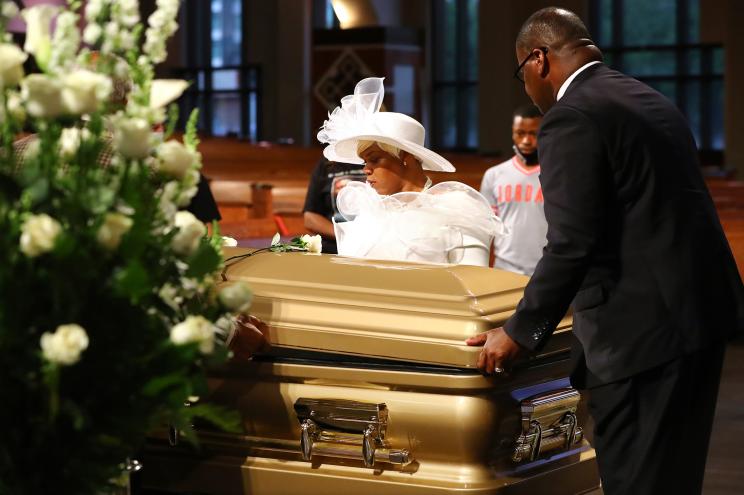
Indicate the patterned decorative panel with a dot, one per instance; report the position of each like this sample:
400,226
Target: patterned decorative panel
340,78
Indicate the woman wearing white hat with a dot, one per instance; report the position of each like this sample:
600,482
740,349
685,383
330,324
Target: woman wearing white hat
398,214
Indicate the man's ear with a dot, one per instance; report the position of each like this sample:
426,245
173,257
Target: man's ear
543,64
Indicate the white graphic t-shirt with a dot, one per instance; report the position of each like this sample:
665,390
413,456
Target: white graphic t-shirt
516,196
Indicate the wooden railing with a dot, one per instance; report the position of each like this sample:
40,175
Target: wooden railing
261,189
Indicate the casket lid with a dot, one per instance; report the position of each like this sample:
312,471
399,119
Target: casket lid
413,312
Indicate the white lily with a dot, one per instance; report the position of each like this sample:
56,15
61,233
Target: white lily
38,27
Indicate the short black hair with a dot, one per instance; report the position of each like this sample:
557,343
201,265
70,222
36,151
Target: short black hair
551,27
527,112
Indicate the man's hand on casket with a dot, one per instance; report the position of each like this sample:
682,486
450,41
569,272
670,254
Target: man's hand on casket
249,336
499,350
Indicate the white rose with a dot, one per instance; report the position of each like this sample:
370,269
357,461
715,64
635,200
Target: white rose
9,9
167,199
92,33
65,345
43,96
114,226
70,140
229,241
121,70
132,138
190,232
38,41
236,297
93,9
38,234
170,296
111,29
189,186
175,159
313,243
65,43
84,91
15,108
128,12
11,65
194,329
126,40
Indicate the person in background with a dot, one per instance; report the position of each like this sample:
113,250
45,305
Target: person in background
513,189
202,205
320,210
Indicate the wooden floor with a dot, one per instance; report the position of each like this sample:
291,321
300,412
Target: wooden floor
724,472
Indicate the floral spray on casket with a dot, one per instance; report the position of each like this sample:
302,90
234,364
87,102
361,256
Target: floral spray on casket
109,312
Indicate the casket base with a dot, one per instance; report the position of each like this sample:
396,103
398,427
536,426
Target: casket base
575,473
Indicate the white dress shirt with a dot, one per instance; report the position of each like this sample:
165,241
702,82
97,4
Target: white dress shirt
564,86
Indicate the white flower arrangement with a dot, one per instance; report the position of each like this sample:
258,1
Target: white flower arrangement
103,276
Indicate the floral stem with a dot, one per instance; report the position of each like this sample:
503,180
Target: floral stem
53,384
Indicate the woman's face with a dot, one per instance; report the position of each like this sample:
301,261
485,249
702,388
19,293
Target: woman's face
385,172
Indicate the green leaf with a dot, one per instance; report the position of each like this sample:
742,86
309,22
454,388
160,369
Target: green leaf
64,245
132,281
157,385
206,260
221,417
76,414
38,191
190,139
172,121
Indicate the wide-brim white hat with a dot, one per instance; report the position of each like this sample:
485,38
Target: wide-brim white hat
359,119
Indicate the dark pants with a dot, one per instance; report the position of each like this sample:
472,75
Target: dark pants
652,429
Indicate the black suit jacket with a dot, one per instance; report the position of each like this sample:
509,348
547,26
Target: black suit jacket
633,236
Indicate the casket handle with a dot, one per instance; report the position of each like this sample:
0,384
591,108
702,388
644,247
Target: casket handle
347,430
549,424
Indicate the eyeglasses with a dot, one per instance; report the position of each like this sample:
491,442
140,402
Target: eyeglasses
519,73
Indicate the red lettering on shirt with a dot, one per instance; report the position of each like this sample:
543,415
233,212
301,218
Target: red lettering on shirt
527,193
519,193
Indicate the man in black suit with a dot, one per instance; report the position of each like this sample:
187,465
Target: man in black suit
635,242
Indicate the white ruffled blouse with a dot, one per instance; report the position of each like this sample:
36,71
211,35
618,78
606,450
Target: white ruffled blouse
449,222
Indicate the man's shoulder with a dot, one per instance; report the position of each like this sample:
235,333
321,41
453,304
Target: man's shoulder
602,91
499,168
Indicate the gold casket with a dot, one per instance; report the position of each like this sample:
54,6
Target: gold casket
369,388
